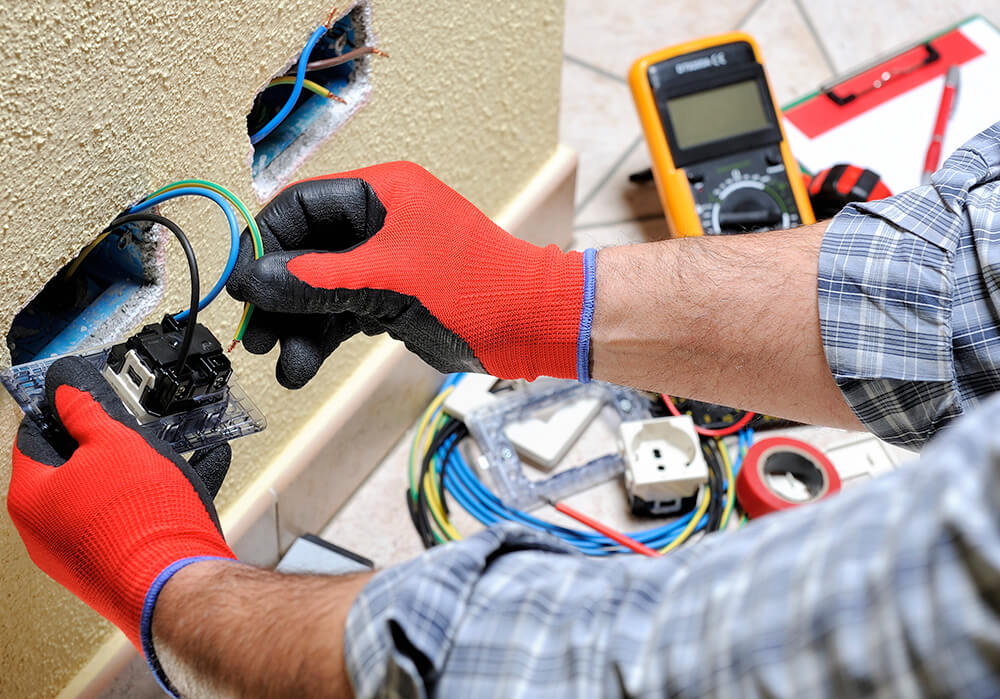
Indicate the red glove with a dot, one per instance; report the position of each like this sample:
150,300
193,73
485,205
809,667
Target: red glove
410,257
115,518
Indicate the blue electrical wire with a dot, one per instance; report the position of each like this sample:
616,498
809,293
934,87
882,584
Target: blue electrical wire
487,508
300,76
470,492
234,235
482,504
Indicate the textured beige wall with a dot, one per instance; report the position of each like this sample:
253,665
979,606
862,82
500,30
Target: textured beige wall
105,100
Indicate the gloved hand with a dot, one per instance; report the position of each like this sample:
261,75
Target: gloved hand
113,520
390,248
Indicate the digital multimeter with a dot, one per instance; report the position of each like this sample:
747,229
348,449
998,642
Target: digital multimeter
720,158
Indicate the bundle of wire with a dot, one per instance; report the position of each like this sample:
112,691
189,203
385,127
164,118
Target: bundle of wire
226,201
147,217
437,468
299,81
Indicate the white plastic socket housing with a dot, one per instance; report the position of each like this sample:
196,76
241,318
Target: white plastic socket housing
544,442
472,392
663,459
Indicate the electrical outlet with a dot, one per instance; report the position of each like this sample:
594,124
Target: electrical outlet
543,441
664,466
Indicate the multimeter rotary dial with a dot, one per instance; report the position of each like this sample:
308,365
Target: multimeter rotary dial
744,203
734,200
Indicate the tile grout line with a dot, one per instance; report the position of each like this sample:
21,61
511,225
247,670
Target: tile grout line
816,37
750,13
600,71
607,176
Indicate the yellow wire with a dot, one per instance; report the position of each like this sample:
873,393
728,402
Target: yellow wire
258,245
244,319
682,537
434,503
421,427
430,492
437,509
730,484
75,265
310,85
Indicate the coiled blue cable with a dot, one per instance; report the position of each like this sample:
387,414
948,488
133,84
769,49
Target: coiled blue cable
470,492
482,504
300,76
234,235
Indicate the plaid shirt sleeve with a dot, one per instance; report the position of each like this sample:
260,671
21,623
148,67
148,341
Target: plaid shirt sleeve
886,590
891,589
908,298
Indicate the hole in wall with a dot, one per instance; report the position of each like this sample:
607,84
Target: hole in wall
97,297
314,118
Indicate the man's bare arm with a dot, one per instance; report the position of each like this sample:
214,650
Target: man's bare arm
224,629
729,319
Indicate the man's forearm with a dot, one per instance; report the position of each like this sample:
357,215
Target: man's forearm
226,629
729,319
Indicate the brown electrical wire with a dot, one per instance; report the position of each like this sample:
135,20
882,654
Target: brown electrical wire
344,58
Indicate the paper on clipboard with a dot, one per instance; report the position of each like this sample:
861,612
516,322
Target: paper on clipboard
888,130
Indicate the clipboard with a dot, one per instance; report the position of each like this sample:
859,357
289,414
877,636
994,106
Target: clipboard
882,115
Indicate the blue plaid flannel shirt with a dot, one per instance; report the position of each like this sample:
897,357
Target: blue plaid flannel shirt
891,589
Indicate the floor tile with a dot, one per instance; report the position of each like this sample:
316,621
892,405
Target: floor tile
259,544
597,120
621,233
373,521
855,31
134,682
618,199
794,60
611,35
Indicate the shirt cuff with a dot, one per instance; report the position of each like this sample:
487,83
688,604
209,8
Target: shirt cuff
905,299
400,628
885,289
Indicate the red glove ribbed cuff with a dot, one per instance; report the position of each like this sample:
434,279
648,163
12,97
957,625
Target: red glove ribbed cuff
534,324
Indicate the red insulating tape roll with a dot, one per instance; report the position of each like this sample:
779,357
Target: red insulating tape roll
775,455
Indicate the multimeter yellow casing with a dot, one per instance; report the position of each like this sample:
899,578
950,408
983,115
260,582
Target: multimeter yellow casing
720,158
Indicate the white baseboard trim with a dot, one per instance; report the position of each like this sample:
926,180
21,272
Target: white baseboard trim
329,458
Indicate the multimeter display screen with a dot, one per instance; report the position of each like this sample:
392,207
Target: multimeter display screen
713,115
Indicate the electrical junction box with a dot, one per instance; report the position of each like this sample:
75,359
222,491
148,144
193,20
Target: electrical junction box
664,466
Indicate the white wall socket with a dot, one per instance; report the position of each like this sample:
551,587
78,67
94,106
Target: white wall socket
663,459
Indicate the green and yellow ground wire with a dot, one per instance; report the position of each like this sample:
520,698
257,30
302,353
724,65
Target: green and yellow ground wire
422,440
258,245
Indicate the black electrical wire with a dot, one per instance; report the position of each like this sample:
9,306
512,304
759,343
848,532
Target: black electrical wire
192,319
418,524
418,509
449,429
719,483
461,433
716,479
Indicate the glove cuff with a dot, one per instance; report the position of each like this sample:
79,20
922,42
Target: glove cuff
586,315
543,327
146,620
